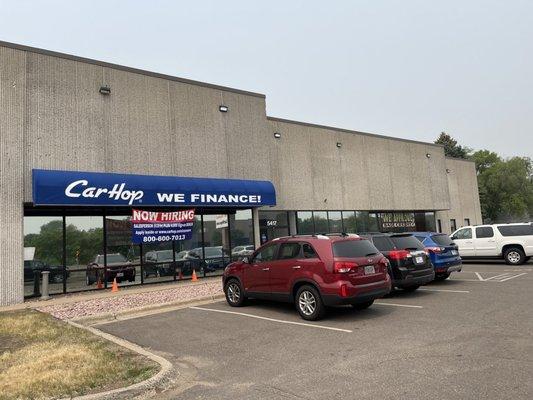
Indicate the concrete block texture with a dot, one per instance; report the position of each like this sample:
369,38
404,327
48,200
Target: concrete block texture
367,172
12,112
463,193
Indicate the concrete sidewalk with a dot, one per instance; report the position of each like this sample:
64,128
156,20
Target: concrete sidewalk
127,300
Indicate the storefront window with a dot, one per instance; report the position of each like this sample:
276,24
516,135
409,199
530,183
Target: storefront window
216,251
189,255
273,224
335,221
123,257
242,234
362,221
84,242
43,250
348,219
430,222
305,222
321,221
373,225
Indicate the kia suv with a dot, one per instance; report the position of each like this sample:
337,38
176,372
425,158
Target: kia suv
311,271
443,252
409,265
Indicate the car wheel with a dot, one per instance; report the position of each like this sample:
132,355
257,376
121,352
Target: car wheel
514,256
363,306
410,288
145,274
234,293
88,280
442,277
309,303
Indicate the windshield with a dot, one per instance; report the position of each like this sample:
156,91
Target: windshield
442,240
354,248
383,243
213,252
165,255
406,242
115,258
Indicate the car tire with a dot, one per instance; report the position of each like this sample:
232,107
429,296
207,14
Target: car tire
309,303
363,306
410,288
88,280
234,293
514,256
442,277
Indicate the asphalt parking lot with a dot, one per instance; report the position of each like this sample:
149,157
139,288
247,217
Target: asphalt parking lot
469,337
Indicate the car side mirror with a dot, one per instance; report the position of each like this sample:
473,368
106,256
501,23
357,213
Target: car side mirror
453,237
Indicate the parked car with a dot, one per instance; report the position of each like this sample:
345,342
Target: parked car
159,263
189,260
512,242
311,271
117,267
242,251
215,258
409,265
444,253
32,267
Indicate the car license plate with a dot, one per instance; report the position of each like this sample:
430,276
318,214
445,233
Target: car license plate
369,269
454,252
120,274
419,260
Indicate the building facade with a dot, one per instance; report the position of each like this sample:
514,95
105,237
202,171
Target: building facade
65,113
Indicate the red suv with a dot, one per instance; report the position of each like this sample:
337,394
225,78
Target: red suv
311,271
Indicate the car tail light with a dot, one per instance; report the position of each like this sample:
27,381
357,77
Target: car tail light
434,249
342,267
384,263
399,254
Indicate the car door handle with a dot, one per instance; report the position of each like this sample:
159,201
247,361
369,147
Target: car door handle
296,267
266,269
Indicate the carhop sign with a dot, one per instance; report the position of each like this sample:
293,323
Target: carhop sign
108,189
156,227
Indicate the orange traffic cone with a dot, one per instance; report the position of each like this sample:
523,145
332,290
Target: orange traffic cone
99,284
194,277
180,276
114,288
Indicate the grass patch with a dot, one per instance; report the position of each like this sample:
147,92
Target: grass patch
42,358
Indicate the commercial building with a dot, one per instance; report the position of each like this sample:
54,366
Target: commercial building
260,176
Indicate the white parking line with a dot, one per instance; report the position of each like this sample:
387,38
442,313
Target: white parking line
273,319
397,305
512,277
444,290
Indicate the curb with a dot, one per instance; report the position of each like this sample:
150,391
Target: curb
166,366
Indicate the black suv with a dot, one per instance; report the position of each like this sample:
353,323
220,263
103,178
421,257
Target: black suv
409,265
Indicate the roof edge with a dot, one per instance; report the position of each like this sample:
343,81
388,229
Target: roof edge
125,68
276,119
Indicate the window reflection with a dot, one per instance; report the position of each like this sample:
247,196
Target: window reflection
43,251
305,222
216,251
242,234
348,219
123,257
335,222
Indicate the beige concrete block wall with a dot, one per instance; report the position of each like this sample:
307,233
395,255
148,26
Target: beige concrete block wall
12,111
464,195
367,172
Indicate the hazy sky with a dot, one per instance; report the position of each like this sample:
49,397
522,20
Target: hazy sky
401,68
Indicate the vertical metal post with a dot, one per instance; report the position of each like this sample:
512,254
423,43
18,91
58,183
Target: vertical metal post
46,276
64,253
203,241
105,250
142,262
257,231
174,258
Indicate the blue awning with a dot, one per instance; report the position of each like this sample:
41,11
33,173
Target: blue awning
77,188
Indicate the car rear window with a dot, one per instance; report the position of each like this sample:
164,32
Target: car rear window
354,248
407,242
516,230
442,240
383,243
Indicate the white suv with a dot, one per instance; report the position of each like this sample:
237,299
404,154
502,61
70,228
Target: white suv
512,242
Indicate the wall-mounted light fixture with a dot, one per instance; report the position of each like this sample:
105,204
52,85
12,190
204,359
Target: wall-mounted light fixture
105,90
428,155
448,170
223,108
277,135
339,145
